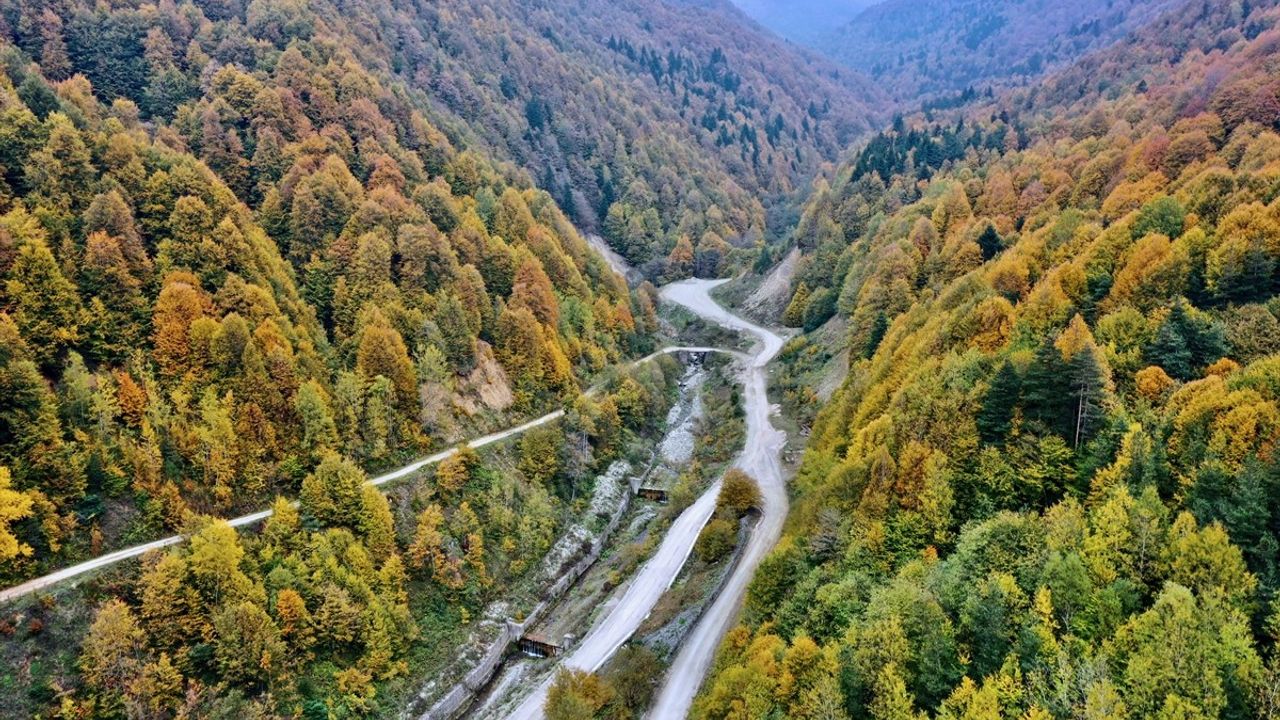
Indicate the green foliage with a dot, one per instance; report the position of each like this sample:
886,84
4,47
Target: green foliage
717,538
1185,342
819,309
995,419
1062,453
1162,216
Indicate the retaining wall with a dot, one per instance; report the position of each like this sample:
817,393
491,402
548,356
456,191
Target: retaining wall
459,697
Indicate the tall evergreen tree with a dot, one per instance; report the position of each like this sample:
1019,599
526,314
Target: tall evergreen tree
1088,383
995,419
1046,391
1186,341
989,242
876,336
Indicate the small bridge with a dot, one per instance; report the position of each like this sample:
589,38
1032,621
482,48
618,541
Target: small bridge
652,493
538,647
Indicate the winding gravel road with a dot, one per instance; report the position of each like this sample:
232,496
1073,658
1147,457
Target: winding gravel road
760,459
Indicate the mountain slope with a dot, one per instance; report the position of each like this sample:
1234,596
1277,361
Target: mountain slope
805,22
920,49
1048,487
239,261
650,120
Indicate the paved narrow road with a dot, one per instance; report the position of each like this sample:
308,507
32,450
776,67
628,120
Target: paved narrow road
760,459
111,558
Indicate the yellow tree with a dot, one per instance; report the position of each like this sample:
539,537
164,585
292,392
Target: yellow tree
532,290
14,506
382,352
113,649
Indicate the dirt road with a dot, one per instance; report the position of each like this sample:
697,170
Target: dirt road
760,459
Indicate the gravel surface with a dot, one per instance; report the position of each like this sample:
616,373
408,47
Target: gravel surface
761,460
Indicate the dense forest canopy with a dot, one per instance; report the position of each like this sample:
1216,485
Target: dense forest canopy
239,261
1048,486
919,50
651,121
255,251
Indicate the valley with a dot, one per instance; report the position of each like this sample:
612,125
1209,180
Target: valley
668,359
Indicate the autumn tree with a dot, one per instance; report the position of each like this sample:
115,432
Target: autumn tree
248,647
739,493
455,471
42,302
113,650
382,352
332,494
576,695
14,506
533,291
793,316
540,451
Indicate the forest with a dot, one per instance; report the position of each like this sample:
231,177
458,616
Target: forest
254,253
1048,487
238,264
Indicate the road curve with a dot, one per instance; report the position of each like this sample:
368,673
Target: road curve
760,459
30,586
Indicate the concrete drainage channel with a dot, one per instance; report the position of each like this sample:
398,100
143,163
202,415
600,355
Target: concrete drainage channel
455,701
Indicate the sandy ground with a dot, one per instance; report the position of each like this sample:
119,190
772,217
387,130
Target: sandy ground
616,261
771,297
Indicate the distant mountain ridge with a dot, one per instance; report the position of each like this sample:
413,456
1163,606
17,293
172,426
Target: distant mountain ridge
919,49
803,21
615,106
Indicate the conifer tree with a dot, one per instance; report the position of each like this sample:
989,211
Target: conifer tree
1046,391
995,419
990,243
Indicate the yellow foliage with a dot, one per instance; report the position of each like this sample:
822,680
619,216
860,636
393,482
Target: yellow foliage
1155,271
1075,338
14,506
1153,382
1223,367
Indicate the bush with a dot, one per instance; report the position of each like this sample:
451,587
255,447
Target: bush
716,540
634,674
738,493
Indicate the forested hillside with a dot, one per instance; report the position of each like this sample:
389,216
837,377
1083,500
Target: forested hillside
651,121
238,261
942,47
803,21
1048,487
